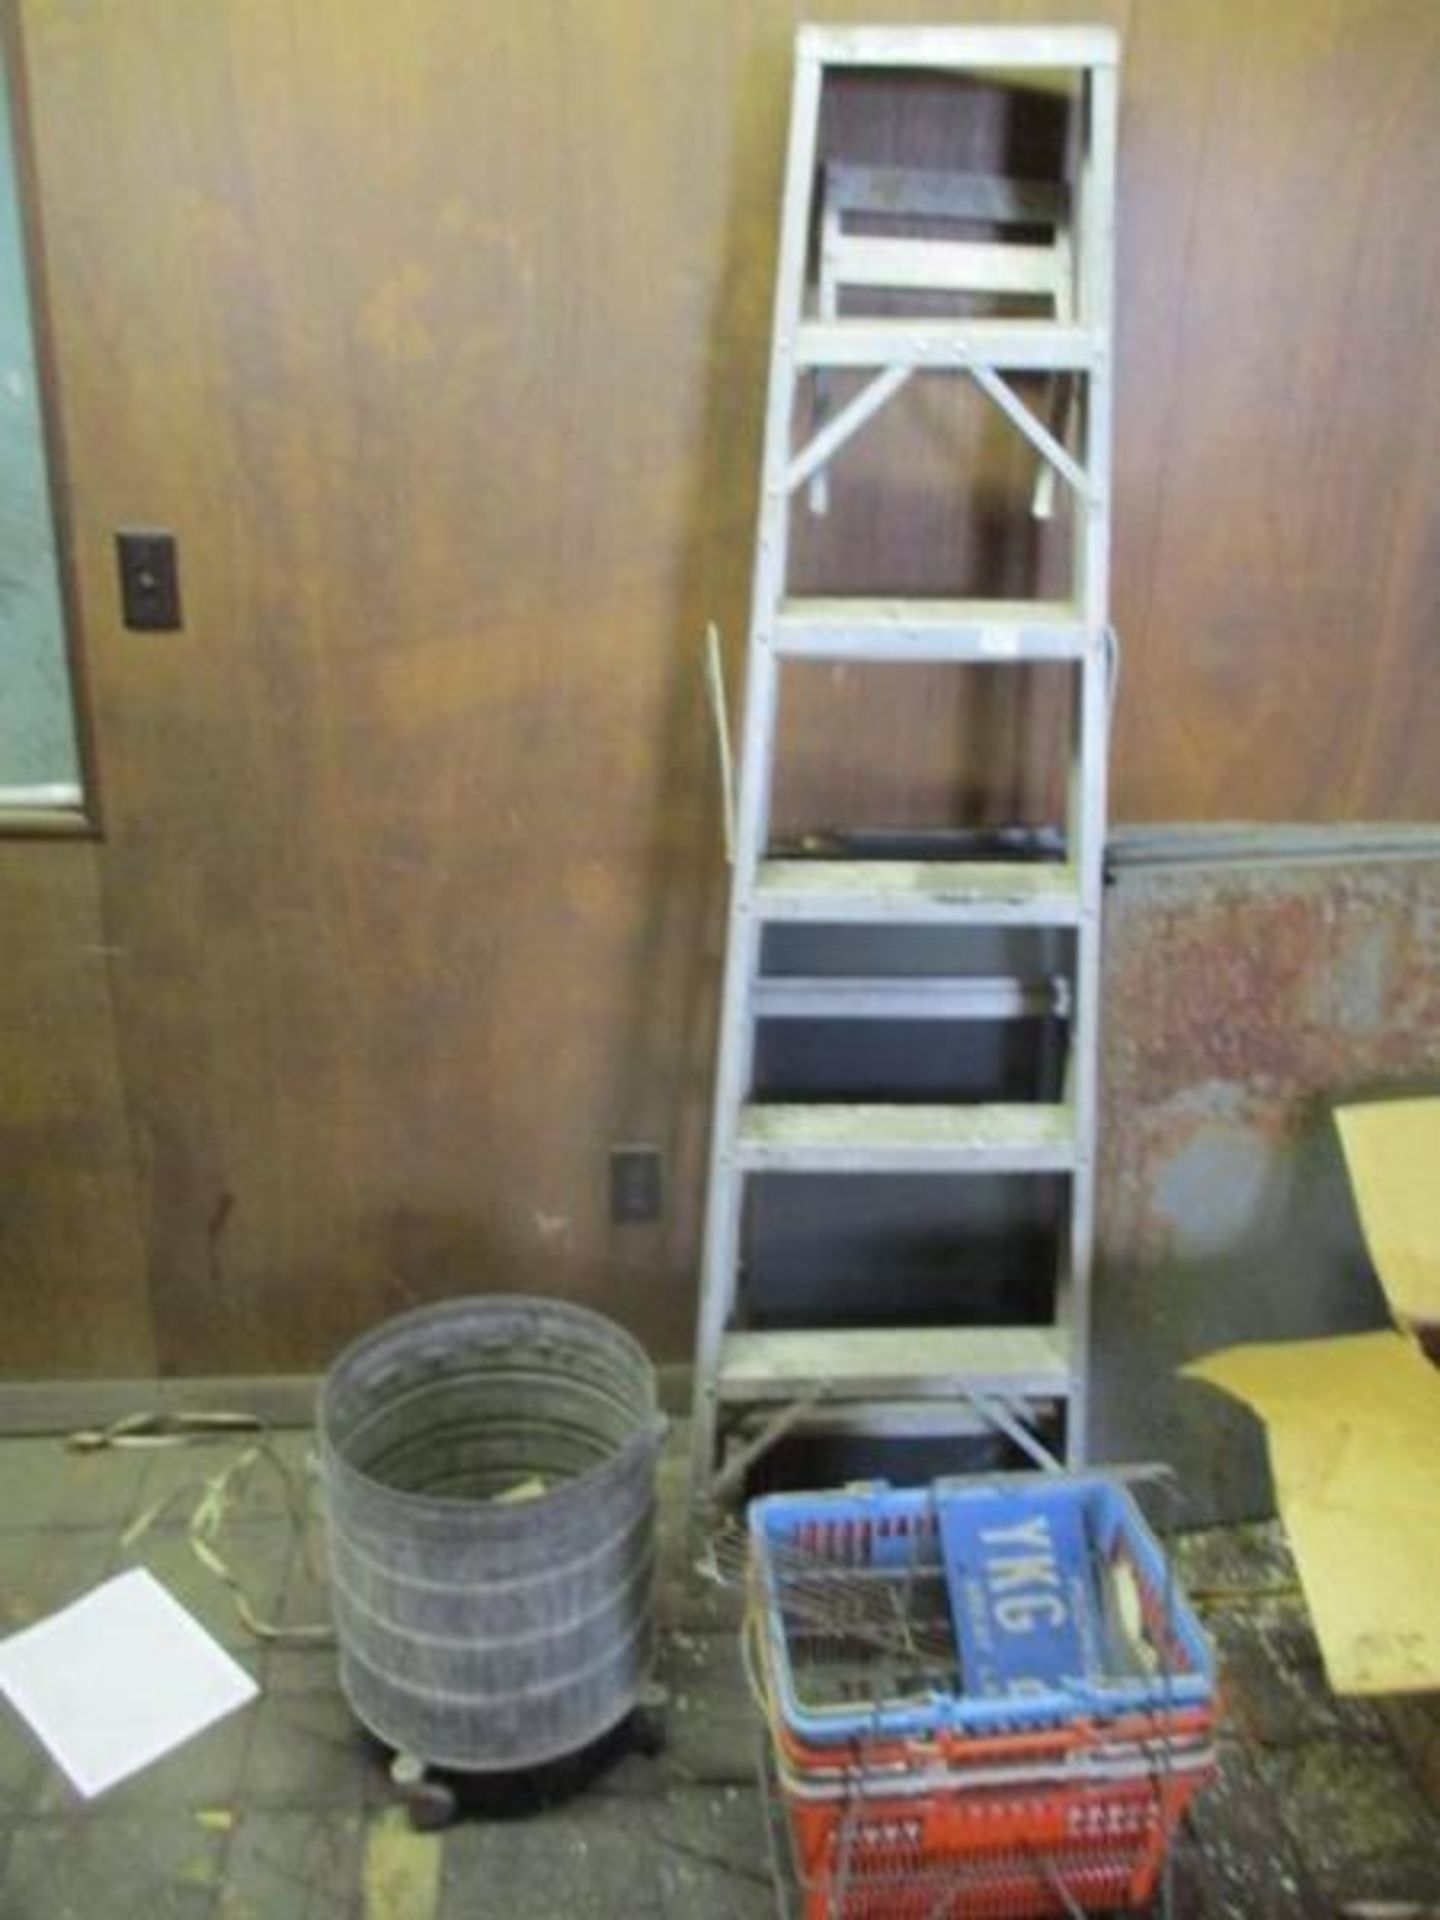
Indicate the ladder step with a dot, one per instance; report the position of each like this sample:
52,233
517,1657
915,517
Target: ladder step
896,1363
822,1138
889,1419
960,47
946,266
971,997
955,630
903,892
940,193
1041,346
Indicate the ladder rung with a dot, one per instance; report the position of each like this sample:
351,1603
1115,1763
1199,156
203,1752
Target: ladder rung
974,997
896,1363
945,266
912,630
939,193
980,893
821,1138
891,1419
1084,46
1042,346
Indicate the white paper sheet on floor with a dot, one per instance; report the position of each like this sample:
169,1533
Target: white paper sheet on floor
118,1679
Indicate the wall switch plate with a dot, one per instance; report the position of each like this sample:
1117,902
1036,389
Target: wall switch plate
149,580
635,1185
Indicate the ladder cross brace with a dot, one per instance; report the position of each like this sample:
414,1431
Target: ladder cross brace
846,424
876,393
1035,431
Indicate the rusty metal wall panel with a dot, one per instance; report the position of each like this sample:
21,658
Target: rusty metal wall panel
1242,1003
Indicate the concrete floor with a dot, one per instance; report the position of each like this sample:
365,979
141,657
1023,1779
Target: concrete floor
284,1812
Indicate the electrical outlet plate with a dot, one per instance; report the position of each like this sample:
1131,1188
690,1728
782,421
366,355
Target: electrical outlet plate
149,580
635,1184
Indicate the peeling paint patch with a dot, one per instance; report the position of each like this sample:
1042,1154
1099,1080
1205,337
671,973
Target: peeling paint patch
1289,982
1224,1187
1241,1006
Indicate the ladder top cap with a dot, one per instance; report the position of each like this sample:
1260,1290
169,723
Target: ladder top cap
960,47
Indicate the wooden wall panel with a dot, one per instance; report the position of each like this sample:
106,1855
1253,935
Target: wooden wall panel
438,334
1278,548
407,828
72,1272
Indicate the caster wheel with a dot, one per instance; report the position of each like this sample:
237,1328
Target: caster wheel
431,1806
429,1803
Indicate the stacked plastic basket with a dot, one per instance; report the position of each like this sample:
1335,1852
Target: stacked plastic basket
985,1699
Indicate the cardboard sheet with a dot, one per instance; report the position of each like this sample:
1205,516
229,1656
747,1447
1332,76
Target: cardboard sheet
118,1679
1354,1432
1392,1149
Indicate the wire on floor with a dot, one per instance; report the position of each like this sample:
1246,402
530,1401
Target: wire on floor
217,1497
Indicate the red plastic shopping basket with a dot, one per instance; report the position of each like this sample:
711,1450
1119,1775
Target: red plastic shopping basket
985,1856
1156,1735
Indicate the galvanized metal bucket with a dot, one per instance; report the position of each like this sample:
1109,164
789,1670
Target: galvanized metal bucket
489,1467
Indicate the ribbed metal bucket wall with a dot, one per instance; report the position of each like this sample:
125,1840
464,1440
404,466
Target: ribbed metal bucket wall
475,1632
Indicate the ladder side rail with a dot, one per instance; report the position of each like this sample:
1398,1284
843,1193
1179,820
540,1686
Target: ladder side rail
828,308
720,1251
1091,718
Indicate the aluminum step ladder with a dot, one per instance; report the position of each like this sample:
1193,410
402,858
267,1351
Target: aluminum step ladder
1048,250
